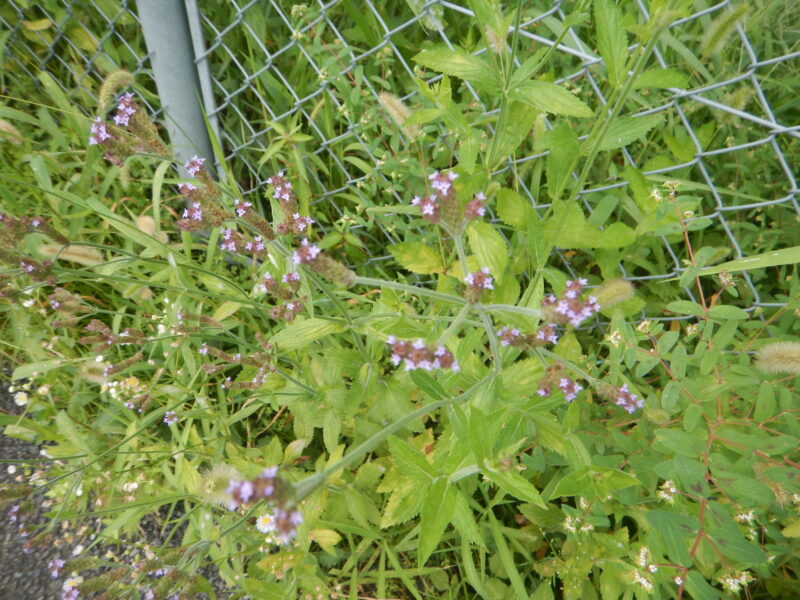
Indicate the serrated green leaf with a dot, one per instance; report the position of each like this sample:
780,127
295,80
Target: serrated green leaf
417,257
661,79
458,63
302,333
625,130
612,42
440,502
562,158
675,531
489,247
410,461
520,379
511,208
551,98
515,485
404,504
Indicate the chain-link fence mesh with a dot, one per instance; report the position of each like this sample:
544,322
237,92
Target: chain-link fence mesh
306,78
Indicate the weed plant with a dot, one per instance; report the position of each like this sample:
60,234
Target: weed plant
482,415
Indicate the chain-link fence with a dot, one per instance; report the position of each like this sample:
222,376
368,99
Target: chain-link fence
267,70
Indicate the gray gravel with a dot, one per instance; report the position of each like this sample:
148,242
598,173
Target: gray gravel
24,575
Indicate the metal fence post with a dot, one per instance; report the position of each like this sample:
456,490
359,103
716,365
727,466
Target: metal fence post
169,40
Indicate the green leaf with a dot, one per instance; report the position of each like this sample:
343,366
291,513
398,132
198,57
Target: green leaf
661,79
549,97
612,42
417,257
625,130
675,531
562,158
514,130
41,367
681,442
302,333
458,63
725,312
428,384
404,504
520,379
437,510
785,256
410,461
686,307
699,588
515,484
512,208
489,247
464,521
331,428
577,483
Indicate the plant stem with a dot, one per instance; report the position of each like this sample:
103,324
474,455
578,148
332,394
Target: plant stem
402,287
304,487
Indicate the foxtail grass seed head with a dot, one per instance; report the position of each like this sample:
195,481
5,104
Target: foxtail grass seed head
214,482
111,85
614,292
779,357
399,113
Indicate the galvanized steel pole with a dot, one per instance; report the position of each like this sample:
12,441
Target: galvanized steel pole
171,47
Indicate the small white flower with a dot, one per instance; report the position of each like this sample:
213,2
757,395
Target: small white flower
20,398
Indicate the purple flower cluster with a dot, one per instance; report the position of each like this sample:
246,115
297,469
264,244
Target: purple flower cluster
256,245
55,566
570,308
296,224
241,207
555,377
268,486
428,206
186,189
306,254
194,212
514,337
125,110
98,133
442,182
282,188
229,240
170,418
626,399
194,165
476,207
480,280
570,388
419,356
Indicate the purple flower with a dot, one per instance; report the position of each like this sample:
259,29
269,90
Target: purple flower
306,253
193,165
241,207
54,566
125,110
628,400
195,212
170,418
98,132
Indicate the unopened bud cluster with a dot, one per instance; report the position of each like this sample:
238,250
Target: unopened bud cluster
261,360
417,355
284,292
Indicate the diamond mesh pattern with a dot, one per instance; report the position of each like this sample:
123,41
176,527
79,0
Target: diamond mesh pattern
275,67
